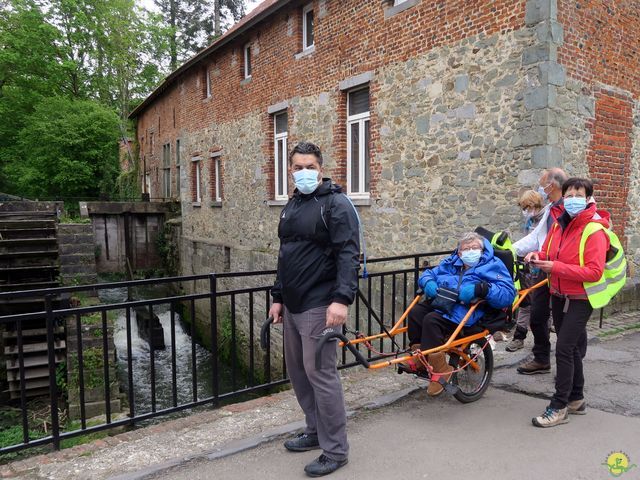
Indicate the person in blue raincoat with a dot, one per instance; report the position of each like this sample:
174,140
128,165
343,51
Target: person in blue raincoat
472,273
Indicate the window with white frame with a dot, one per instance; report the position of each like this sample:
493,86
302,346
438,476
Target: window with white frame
178,168
196,193
146,184
358,139
247,60
217,179
207,81
280,122
166,170
307,27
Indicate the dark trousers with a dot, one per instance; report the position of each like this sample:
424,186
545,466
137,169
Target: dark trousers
539,324
428,327
571,347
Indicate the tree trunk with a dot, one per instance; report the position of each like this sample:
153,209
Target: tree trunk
173,41
216,19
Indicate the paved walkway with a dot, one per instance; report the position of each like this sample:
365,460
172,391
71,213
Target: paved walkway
151,450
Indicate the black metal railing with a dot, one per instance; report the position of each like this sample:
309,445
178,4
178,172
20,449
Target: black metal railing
221,315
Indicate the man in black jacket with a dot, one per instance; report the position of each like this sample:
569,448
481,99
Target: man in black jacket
317,280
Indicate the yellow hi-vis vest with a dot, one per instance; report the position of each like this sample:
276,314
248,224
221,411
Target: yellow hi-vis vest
505,244
614,276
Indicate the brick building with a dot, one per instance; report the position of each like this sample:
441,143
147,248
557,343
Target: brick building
433,115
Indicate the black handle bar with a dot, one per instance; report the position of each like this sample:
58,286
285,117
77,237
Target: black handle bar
264,333
330,335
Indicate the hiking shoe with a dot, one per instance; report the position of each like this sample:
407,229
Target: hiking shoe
302,443
324,465
551,417
577,407
514,345
533,367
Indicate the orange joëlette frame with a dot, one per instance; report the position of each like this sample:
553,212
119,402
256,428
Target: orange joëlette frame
450,345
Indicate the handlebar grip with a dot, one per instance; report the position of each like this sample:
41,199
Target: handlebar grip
330,336
264,333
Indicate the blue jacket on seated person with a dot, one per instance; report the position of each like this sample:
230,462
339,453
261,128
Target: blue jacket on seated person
490,269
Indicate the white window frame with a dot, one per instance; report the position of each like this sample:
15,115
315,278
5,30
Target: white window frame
146,179
280,137
305,11
218,178
207,78
178,189
360,119
166,170
248,67
196,161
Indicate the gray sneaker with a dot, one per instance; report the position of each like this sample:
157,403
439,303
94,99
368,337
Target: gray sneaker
551,417
514,345
577,407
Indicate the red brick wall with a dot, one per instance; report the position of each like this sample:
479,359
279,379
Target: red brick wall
352,38
602,42
609,154
601,47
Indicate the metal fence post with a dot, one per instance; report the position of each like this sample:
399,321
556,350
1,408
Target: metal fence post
213,302
53,387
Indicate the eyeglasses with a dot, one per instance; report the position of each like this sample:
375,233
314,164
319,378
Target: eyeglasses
472,246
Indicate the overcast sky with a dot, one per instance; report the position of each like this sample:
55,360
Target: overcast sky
148,4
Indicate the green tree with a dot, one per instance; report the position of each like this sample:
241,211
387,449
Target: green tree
30,70
192,24
68,149
226,12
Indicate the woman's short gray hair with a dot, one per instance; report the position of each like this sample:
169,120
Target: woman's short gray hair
470,237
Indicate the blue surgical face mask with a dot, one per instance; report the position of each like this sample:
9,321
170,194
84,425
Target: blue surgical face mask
545,195
471,257
306,180
574,205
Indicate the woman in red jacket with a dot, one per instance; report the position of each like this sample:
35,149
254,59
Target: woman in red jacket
560,259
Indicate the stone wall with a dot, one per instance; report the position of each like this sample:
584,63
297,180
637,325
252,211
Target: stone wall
461,123
77,253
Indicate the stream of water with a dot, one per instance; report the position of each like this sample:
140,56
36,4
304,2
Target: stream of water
141,364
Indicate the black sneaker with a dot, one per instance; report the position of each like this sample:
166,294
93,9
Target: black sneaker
534,367
302,443
324,465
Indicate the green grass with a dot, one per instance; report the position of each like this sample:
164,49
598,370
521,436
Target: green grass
617,330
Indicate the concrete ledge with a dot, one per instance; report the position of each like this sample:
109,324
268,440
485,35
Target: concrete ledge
356,81
391,11
114,208
276,203
278,107
305,53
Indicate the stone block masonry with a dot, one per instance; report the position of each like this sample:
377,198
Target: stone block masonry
468,101
77,253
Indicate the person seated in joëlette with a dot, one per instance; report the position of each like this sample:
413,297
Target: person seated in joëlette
471,274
